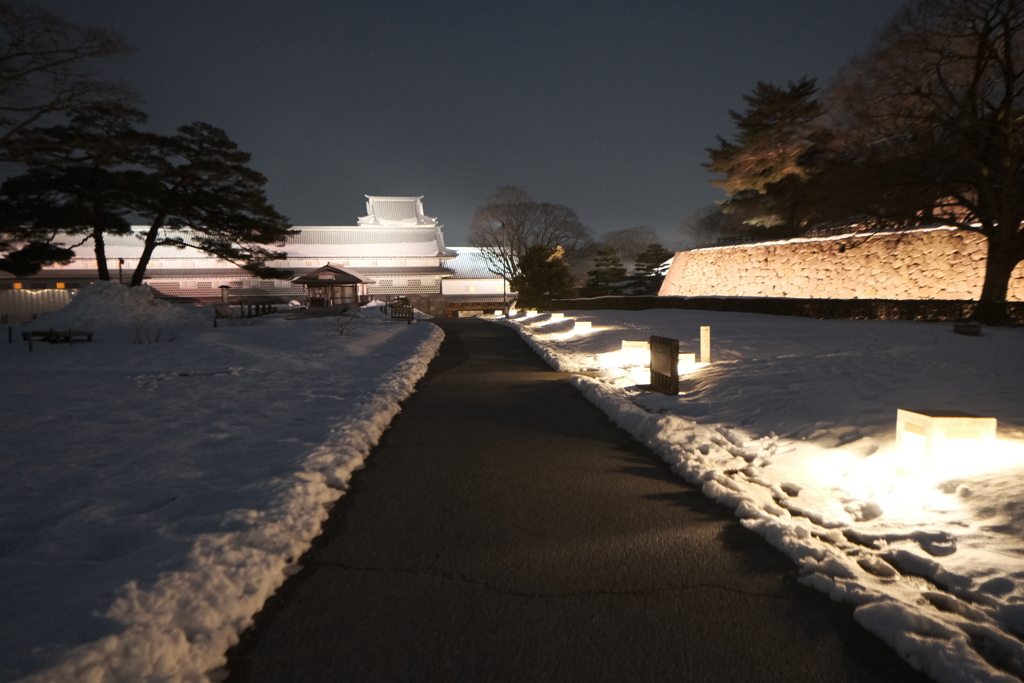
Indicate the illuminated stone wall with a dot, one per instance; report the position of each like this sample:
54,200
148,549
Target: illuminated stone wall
932,263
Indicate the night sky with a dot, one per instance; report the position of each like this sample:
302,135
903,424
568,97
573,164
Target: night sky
606,107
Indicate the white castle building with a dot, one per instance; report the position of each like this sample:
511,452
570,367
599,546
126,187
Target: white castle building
395,245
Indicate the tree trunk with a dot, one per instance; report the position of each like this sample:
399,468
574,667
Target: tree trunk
147,250
1004,254
101,254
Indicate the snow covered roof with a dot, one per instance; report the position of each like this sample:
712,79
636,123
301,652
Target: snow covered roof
332,274
359,241
395,212
470,265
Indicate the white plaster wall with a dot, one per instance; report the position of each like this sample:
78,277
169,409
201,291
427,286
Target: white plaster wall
932,263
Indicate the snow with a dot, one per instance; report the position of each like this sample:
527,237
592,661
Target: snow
793,427
160,482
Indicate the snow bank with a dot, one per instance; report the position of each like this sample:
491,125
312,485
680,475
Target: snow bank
110,304
793,429
155,495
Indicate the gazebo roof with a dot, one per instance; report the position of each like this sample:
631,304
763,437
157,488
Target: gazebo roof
332,274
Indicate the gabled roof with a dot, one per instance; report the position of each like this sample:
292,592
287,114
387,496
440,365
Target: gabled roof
332,274
395,212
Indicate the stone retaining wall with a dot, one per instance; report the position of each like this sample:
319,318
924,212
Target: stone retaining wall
931,263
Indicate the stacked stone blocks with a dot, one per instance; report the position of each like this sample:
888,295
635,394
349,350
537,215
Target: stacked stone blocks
930,263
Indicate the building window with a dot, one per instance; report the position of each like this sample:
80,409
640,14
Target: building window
60,285
17,285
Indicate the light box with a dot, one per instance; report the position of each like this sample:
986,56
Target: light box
557,316
582,326
929,439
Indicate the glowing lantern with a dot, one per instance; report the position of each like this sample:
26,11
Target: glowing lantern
636,352
927,439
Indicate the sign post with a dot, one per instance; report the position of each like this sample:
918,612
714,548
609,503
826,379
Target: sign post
665,365
705,345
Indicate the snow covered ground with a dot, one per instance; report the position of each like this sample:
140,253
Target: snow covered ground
793,425
160,482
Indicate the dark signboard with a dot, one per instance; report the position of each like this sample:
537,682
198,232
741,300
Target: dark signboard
665,365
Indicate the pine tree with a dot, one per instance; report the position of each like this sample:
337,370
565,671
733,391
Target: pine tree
86,178
768,164
80,180
202,194
544,275
650,269
608,271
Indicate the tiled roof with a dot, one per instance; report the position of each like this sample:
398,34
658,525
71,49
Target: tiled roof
479,298
362,235
402,271
334,275
470,265
395,211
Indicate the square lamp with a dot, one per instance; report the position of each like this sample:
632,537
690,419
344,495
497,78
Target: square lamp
582,326
557,316
927,439
636,352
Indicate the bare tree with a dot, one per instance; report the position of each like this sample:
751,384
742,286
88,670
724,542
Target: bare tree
628,243
510,222
46,66
933,119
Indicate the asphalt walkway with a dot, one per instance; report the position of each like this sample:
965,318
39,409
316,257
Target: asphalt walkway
505,530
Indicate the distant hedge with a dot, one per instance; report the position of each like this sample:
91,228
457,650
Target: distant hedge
831,309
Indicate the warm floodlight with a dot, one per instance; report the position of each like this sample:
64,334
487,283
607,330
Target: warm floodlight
687,358
928,439
583,326
636,352
531,311
557,316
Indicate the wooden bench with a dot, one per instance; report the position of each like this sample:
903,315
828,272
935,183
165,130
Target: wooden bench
57,336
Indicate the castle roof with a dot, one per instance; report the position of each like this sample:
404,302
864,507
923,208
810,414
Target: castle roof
396,212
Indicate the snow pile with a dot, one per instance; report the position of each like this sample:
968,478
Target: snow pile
155,495
793,427
110,304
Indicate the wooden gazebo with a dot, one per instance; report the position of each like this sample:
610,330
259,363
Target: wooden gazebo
333,286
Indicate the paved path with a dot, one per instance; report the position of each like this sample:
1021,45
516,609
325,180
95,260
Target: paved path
504,530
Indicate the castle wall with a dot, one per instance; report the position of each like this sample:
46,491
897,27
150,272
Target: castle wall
931,263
